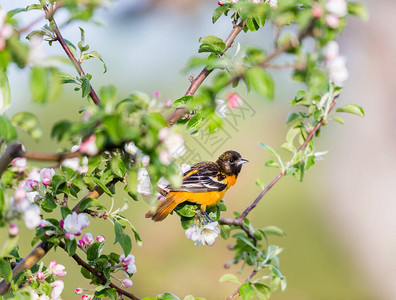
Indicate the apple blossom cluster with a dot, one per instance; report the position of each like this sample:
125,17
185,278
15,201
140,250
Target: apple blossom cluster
335,63
5,29
333,11
272,3
204,234
74,224
74,163
43,276
28,192
88,239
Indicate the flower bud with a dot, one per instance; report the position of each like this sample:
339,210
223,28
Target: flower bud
100,239
78,291
40,275
127,283
13,229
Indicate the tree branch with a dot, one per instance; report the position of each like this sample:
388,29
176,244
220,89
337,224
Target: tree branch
76,63
42,249
196,83
13,150
99,274
237,290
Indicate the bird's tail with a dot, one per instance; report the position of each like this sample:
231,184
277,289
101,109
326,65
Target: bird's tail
163,209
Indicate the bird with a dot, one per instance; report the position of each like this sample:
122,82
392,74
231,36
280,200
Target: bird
205,184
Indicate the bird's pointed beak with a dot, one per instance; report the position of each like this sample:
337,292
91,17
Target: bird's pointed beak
242,161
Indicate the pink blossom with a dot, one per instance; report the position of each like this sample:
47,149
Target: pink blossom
49,232
233,100
156,94
61,223
100,239
165,158
57,288
20,194
19,164
46,175
128,263
69,236
317,11
34,174
13,230
87,297
31,185
145,160
164,133
332,21
81,244
127,283
57,269
88,238
89,146
74,223
78,291
40,275
168,103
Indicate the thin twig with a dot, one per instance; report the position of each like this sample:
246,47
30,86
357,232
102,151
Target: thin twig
99,274
42,249
254,272
196,83
76,63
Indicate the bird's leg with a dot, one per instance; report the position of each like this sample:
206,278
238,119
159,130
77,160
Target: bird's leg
205,214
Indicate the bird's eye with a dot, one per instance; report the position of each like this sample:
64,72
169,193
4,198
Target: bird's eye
231,160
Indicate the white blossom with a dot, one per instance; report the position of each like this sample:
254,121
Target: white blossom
338,8
175,145
143,182
131,148
74,223
204,235
221,108
57,289
32,216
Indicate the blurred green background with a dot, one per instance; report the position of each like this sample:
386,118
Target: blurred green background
340,222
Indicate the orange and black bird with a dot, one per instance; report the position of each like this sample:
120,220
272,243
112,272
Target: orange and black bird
205,184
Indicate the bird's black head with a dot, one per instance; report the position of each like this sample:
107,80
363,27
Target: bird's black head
231,162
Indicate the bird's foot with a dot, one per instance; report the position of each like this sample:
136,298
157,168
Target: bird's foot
206,216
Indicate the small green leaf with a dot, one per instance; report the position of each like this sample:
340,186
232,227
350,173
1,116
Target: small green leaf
229,278
85,87
101,184
246,291
71,246
260,81
353,109
195,123
5,270
221,9
273,230
94,251
95,54
291,118
339,120
211,42
7,131
123,239
225,231
89,202
359,10
5,94
183,101
29,123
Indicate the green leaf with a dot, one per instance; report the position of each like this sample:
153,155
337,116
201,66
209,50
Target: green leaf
65,211
353,109
101,184
108,94
15,11
167,296
94,251
195,123
95,54
260,81
273,230
339,120
5,270
81,43
187,210
183,101
291,118
225,231
89,202
229,278
118,167
71,247
39,84
85,87
7,131
262,288
359,10
221,9
29,123
246,291
211,42
272,152
111,293
123,239
5,93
